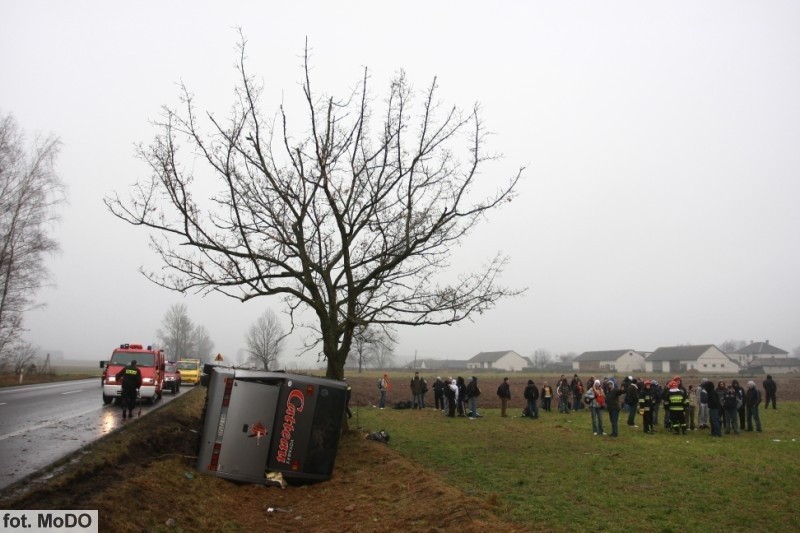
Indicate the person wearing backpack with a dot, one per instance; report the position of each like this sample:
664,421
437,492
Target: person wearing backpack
752,398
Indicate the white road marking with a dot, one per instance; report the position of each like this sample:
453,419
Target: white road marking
72,391
37,387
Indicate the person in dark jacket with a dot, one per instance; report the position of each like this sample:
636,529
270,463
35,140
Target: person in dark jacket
752,398
504,393
646,401
658,399
739,402
438,393
632,401
729,405
531,394
714,405
416,391
613,393
770,392
473,391
462,395
451,393
676,408
131,378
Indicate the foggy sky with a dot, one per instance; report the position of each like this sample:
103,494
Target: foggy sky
661,140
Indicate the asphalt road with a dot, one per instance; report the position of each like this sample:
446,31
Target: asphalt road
40,424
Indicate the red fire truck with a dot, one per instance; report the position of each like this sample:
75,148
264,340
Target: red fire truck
149,361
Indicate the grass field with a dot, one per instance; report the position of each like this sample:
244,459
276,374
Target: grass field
552,473
443,474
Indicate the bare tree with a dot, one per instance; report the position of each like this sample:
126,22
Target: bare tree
30,195
731,345
176,334
264,340
203,345
382,352
541,358
23,357
364,348
355,220
566,357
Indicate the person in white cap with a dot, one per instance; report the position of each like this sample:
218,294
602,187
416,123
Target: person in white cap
752,399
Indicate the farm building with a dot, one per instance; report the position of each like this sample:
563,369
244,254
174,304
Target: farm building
506,360
757,350
773,365
610,360
702,358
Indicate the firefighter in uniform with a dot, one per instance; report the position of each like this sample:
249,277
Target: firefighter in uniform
676,403
646,400
131,378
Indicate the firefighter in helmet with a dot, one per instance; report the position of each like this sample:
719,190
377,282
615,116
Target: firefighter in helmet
131,378
646,401
676,404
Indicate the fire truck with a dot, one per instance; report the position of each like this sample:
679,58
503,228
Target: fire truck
149,361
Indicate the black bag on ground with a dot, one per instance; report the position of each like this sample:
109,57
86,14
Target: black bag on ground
380,436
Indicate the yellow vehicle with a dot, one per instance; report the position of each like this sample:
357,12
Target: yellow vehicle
191,370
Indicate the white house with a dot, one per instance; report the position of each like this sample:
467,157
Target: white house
507,360
705,358
773,365
611,360
755,350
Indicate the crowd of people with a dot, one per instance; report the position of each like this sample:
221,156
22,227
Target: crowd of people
725,407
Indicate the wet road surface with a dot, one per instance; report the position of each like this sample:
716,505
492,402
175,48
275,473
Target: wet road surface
40,424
